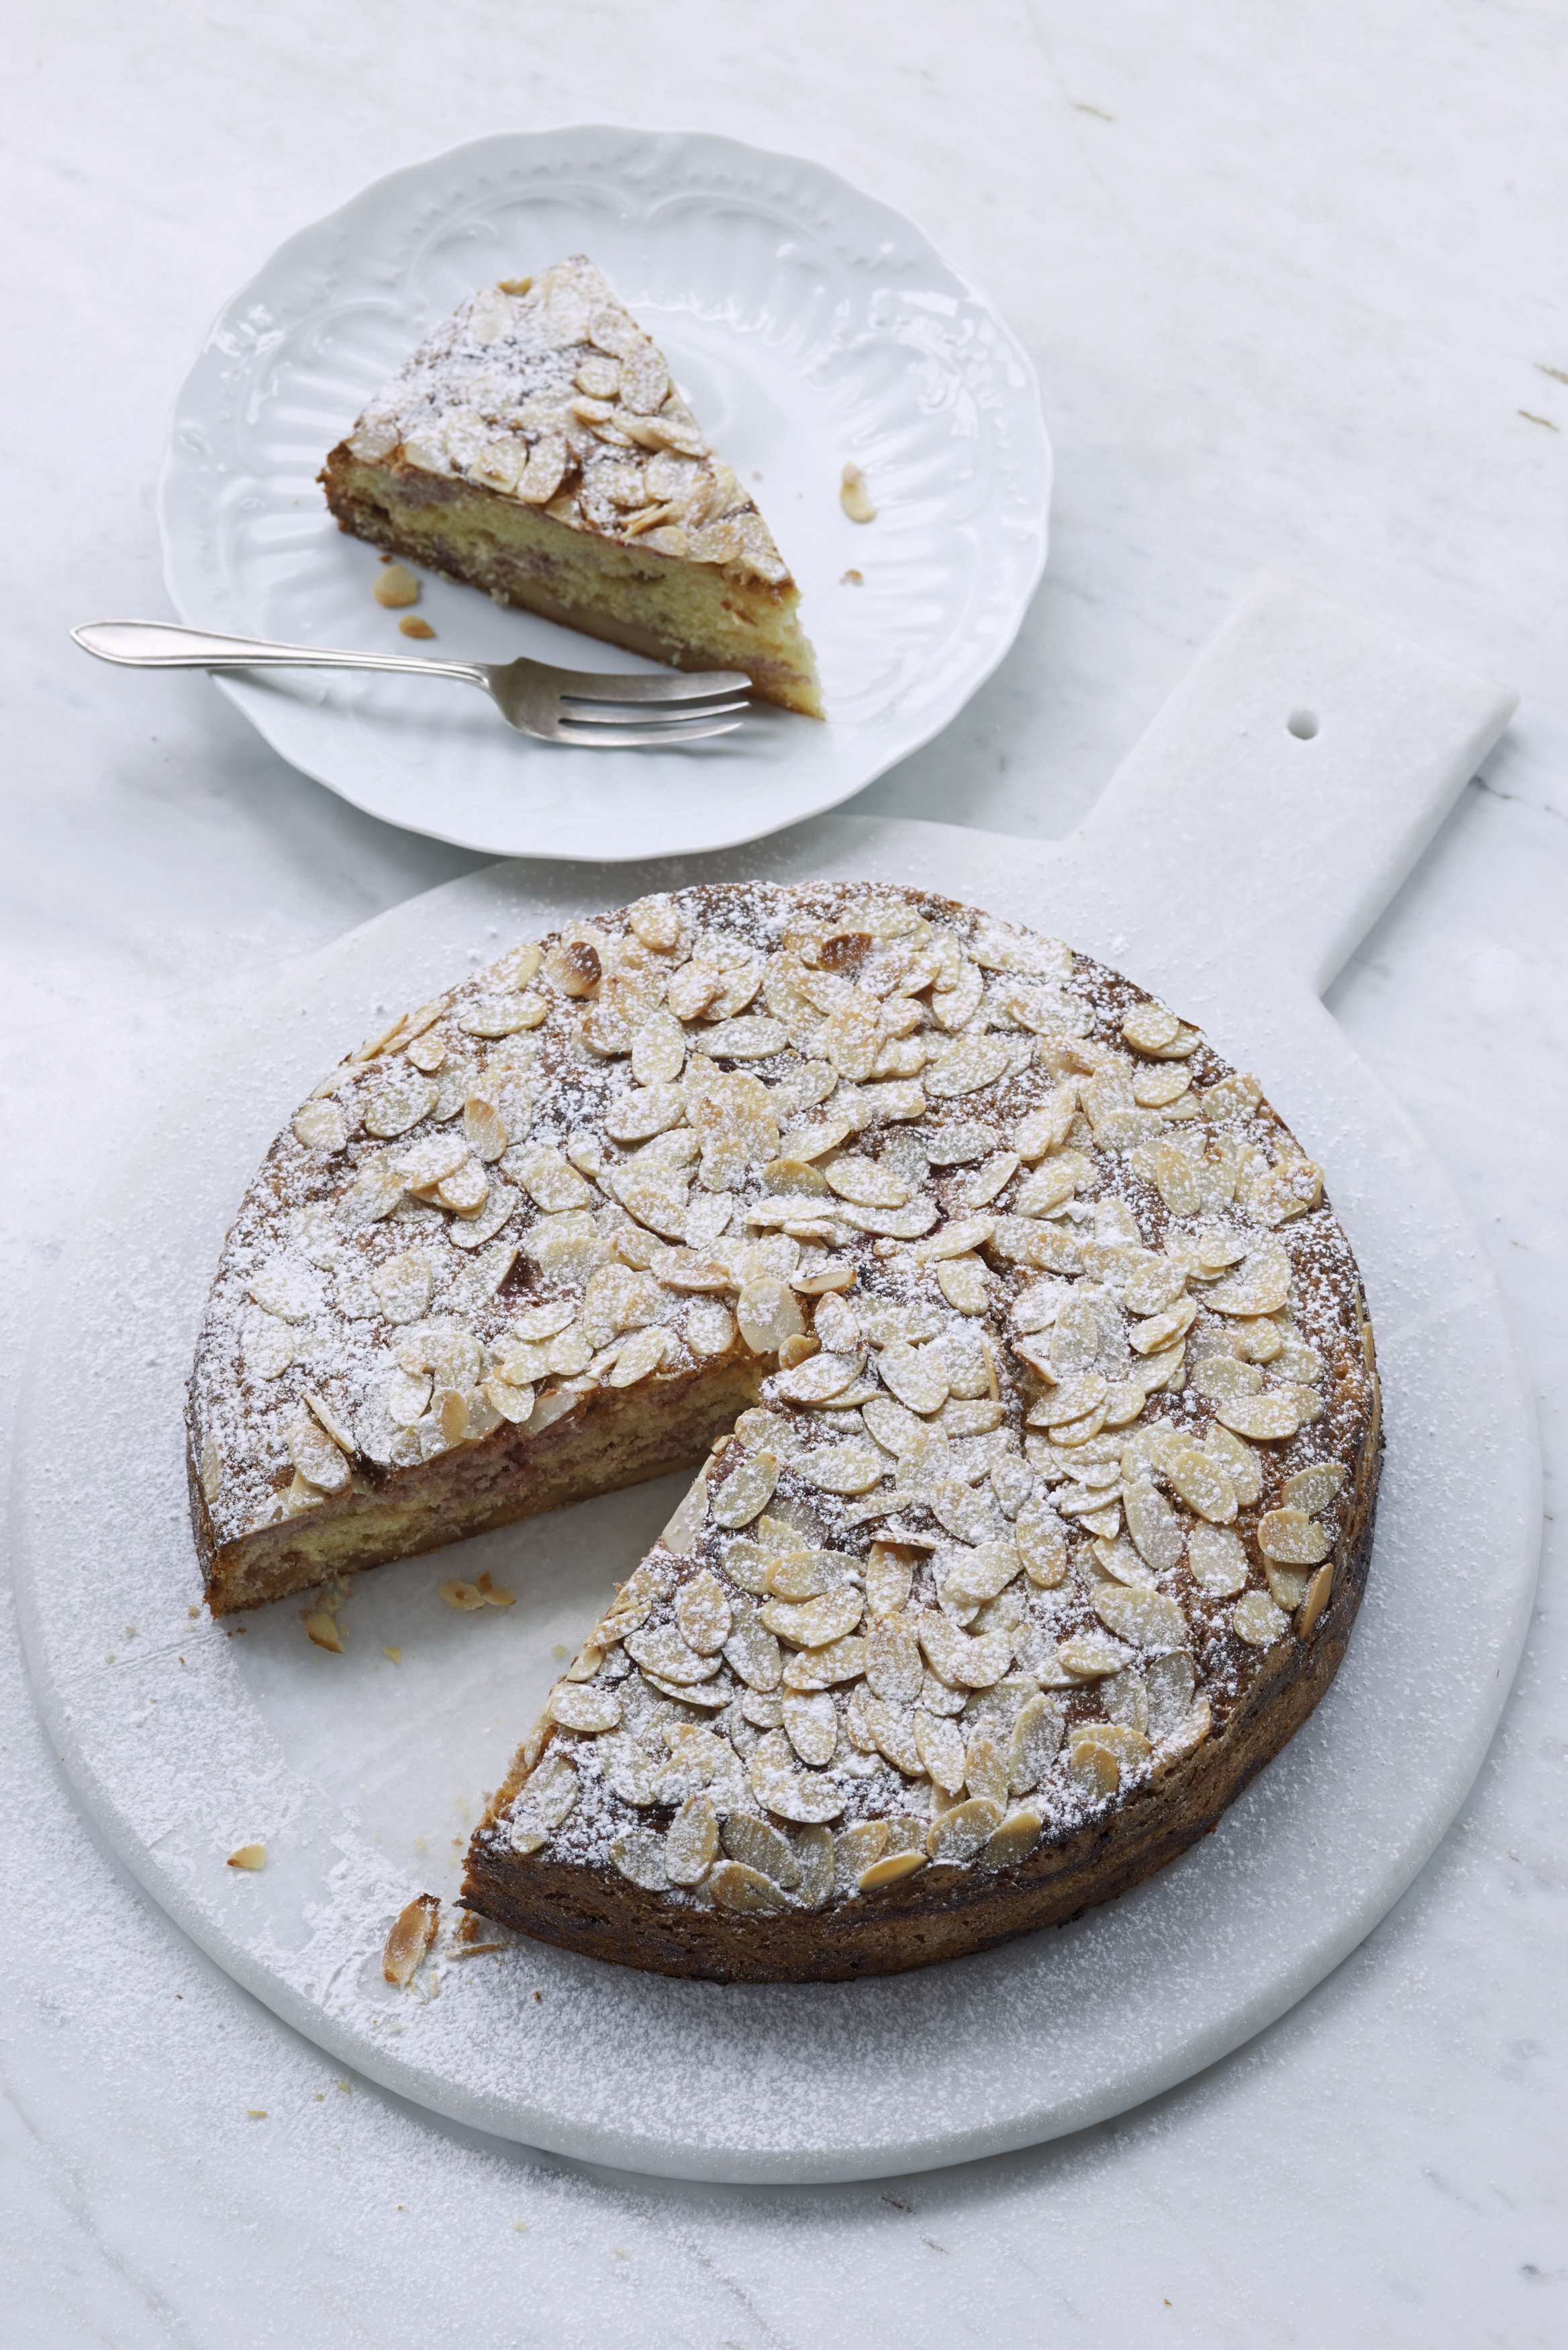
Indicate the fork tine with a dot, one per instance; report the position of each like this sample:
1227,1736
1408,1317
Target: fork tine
638,738
646,714
700,687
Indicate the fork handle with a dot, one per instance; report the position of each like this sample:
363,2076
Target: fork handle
160,644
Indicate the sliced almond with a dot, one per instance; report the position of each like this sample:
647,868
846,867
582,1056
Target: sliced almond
412,1932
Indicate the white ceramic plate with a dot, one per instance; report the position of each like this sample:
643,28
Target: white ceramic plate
361,1773
807,323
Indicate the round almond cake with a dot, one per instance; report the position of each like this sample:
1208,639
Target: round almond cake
1024,1366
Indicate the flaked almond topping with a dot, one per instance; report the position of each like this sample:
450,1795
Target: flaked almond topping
248,1856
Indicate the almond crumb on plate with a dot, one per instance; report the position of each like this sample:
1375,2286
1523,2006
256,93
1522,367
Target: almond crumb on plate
396,1654
396,585
324,1632
414,627
248,1856
413,1930
852,578
852,496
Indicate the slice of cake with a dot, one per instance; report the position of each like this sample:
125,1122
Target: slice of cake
1025,1361
537,447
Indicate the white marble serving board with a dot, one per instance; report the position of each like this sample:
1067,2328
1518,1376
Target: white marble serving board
1230,866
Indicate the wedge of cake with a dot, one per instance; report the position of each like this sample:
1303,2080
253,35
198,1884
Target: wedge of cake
537,447
1024,1364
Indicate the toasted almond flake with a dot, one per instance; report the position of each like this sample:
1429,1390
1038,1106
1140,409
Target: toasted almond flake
974,1577
336,1426
1149,1027
316,1457
985,1768
513,1403
817,1379
958,1834
850,1468
1217,1561
640,1856
1318,1593
814,1623
1258,1621
465,1190
321,1126
965,1511
639,1358
940,1751
459,1593
889,1577
248,1856
402,1286
399,1104
959,1660
1033,1742
1147,1619
691,1841
394,586
1314,1488
1013,1841
1200,1482
806,1797
703,1613
428,1162
746,1490
890,1870
1152,1524
855,497
1266,1417
656,922
1262,1285
1042,1543
745,1891
581,1705
1089,1656
918,1377
1092,1766
484,1129
412,1932
1292,1538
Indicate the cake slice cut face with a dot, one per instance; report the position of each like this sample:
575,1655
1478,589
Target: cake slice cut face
535,446
1021,1362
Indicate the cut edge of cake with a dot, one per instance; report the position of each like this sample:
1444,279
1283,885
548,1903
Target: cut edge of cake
535,446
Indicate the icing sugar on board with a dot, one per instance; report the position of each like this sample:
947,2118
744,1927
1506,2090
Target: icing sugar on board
360,1773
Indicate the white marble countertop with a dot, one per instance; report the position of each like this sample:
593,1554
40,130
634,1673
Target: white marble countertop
1293,279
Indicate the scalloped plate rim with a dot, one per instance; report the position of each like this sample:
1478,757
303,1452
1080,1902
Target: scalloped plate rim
189,562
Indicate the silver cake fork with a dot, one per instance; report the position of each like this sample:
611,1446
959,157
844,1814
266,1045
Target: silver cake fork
557,705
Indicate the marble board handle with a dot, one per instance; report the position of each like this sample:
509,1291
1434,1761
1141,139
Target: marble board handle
1280,797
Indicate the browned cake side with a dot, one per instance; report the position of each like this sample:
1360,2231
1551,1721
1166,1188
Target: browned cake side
602,1445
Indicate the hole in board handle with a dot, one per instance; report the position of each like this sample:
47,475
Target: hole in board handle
1302,724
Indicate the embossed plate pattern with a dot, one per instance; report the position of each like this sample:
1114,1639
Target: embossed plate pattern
809,324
